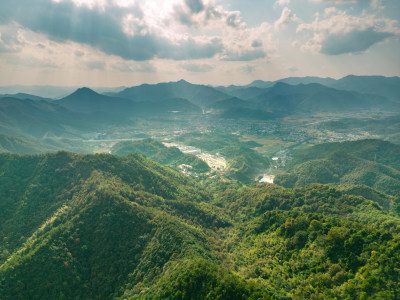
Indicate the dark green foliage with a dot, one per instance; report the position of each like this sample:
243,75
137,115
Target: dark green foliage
313,256
201,279
372,163
246,203
95,244
106,227
87,225
382,199
39,185
373,150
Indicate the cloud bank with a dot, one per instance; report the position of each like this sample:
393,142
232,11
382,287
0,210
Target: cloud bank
137,31
336,32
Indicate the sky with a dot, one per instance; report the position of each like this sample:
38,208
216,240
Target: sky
219,42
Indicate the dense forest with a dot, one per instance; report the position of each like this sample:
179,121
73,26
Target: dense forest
373,163
75,226
199,149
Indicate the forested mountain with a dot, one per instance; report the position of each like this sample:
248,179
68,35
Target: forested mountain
85,100
22,145
231,103
388,87
378,85
314,97
309,95
39,118
245,93
370,149
86,110
373,163
23,96
146,221
199,95
81,112
107,227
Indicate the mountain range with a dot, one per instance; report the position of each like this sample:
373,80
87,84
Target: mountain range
85,109
146,221
377,85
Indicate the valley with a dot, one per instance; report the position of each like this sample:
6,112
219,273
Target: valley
199,150
193,194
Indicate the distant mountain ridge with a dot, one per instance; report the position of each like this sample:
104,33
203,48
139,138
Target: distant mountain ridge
315,97
199,95
38,118
378,85
85,100
23,96
85,108
283,99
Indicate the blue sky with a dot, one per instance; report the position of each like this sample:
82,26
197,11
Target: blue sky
129,42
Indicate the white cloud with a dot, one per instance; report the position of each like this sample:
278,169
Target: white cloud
377,5
282,2
249,44
286,18
144,30
335,1
336,32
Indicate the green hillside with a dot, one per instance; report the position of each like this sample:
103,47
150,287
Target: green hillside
156,151
314,97
107,227
372,163
25,117
199,95
22,145
85,100
373,150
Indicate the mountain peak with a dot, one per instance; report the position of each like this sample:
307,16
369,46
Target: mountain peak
84,91
183,81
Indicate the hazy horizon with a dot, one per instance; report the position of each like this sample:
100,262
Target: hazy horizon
112,43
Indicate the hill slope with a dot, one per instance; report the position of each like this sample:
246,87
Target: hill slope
372,163
38,118
85,100
314,97
22,145
156,151
107,227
